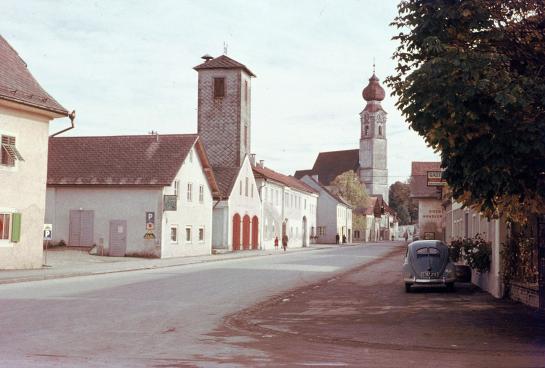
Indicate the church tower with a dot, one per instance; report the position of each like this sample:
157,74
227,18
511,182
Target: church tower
373,150
224,110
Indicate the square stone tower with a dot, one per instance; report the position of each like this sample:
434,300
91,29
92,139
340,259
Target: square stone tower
224,110
373,144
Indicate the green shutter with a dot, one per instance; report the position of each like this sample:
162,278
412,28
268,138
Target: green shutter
15,227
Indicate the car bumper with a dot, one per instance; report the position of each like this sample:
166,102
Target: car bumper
442,280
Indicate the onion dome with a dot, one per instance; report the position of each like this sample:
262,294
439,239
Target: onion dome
373,91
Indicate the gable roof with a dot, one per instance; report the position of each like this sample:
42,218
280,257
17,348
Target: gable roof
419,179
122,160
225,177
286,180
335,196
223,62
18,85
329,165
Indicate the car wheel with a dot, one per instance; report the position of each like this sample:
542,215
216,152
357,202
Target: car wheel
450,286
407,288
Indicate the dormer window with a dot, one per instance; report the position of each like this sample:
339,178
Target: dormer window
9,151
219,87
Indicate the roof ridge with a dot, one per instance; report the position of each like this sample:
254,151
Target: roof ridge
129,135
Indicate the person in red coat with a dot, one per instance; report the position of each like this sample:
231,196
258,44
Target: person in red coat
276,243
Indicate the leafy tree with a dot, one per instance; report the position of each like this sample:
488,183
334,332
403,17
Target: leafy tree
401,202
349,187
471,80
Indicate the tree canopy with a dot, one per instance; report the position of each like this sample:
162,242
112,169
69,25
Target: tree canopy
349,187
470,79
401,202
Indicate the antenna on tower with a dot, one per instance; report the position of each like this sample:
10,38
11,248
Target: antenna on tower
225,45
373,65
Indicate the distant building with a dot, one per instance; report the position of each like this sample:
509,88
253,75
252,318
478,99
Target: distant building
289,208
224,124
334,214
430,210
370,161
141,195
25,112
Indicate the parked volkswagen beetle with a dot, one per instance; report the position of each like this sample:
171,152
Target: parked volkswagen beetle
427,262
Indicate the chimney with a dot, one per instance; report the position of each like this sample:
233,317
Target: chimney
262,164
252,159
207,57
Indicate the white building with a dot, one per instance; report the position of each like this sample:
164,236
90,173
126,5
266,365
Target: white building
237,209
146,195
25,112
289,208
334,214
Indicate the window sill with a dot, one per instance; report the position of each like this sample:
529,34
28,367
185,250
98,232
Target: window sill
6,244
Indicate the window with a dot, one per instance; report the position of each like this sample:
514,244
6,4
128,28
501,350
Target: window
252,192
246,91
188,234
245,137
367,130
9,151
189,192
305,204
356,234
174,234
201,193
287,199
240,187
177,188
201,234
5,220
219,87
379,130
246,188
321,230
190,155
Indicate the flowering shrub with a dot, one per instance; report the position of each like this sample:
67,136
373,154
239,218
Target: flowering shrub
476,252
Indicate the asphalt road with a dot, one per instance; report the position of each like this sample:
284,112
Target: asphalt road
155,318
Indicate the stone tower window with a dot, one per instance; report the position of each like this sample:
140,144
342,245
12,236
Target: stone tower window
219,87
367,130
380,130
246,91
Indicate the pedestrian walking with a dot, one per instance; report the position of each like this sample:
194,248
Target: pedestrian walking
344,239
284,242
337,237
276,243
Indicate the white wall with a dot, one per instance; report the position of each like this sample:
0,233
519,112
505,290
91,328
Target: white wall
193,214
23,187
108,203
241,202
271,195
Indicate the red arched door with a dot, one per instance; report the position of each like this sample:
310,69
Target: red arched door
236,232
246,232
255,232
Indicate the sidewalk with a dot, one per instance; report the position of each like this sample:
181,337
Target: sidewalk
364,318
62,262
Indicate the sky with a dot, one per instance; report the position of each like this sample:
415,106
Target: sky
126,68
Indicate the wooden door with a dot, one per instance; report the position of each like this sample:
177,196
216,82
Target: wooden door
81,228
246,232
236,232
118,238
255,232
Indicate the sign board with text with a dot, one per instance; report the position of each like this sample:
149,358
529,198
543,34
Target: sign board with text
48,231
435,179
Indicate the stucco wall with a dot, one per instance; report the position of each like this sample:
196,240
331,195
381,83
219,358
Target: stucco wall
430,218
130,204
23,187
193,214
272,202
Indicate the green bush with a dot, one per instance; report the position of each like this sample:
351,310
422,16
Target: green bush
476,252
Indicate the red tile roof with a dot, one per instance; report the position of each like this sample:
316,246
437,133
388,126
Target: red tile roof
289,181
225,177
121,160
329,165
419,179
223,62
337,197
18,85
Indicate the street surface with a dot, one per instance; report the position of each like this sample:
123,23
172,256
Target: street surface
343,306
152,317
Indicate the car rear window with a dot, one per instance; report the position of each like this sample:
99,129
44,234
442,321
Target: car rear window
428,252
